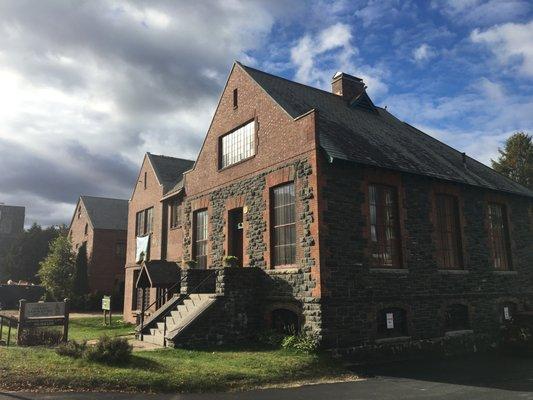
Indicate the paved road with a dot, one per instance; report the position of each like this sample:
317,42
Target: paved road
476,378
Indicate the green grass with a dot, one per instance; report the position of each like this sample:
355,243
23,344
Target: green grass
93,328
165,370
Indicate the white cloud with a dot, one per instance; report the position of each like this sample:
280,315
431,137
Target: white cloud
424,52
493,91
482,12
511,43
317,58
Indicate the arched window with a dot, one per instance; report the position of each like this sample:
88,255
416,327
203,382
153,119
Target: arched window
457,317
285,321
507,311
392,322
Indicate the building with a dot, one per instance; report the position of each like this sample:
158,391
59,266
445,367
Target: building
11,225
101,225
350,224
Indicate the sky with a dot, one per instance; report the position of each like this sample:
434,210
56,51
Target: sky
88,87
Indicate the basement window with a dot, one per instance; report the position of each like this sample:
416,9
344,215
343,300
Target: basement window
237,145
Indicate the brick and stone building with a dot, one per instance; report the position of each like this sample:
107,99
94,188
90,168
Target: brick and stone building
11,225
101,225
348,223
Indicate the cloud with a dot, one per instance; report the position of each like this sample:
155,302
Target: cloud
424,52
511,43
482,13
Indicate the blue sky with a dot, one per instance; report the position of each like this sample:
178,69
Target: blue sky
84,99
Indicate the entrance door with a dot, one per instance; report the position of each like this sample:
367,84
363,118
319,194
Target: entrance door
235,232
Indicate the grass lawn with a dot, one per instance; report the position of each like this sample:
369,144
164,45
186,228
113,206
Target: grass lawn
164,370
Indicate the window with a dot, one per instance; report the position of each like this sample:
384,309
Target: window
175,213
200,238
79,212
140,297
283,225
457,317
499,236
237,145
392,322
145,180
384,226
86,229
120,249
235,98
144,222
449,246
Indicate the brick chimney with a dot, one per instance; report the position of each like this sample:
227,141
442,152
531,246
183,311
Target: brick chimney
347,86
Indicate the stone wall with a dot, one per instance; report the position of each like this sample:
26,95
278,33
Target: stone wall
197,281
354,292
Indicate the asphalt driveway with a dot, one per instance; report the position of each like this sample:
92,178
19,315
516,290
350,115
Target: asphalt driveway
483,377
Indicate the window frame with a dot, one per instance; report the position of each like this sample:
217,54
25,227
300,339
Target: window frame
456,235
507,241
175,211
254,145
273,226
195,240
141,218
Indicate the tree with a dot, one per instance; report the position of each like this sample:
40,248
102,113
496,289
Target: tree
516,159
81,284
22,257
57,270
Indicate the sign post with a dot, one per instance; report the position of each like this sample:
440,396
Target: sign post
34,315
106,308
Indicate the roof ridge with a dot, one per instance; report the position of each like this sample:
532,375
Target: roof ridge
100,197
165,156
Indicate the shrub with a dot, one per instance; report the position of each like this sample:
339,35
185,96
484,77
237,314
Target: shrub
304,343
231,261
72,349
40,337
110,351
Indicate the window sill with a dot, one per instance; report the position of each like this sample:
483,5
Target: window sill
393,339
454,271
505,272
390,270
173,228
462,332
284,269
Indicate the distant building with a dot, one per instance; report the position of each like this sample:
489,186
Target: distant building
11,220
101,224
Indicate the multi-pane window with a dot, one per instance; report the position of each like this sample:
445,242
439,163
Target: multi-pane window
499,236
392,322
175,214
144,222
448,232
384,226
200,238
237,145
284,225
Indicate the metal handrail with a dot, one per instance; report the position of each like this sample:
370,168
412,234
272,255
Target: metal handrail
10,322
179,296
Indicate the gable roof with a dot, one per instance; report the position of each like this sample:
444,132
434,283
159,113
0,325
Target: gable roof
169,170
106,213
360,132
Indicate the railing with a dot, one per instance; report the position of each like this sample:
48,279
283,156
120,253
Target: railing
10,322
158,298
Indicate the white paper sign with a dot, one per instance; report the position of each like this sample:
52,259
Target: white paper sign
506,313
390,321
38,310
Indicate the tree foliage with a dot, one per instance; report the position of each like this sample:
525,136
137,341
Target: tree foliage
516,159
23,255
58,269
81,283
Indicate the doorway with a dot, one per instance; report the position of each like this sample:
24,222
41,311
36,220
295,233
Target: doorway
235,232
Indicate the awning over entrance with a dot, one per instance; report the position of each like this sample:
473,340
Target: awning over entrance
158,274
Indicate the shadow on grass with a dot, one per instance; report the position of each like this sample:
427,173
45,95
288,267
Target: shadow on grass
490,370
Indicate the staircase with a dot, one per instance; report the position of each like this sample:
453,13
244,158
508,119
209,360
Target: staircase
182,315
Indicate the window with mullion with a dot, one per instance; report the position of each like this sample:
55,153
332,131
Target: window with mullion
144,222
499,236
284,225
384,226
237,145
200,238
175,214
449,246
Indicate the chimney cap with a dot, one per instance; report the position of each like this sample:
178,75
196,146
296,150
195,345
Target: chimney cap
344,75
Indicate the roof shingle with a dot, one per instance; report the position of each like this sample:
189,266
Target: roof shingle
106,213
169,170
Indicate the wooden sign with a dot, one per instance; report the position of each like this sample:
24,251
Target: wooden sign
44,310
33,315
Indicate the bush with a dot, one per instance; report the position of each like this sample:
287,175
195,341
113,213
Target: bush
40,337
231,261
304,343
110,351
72,349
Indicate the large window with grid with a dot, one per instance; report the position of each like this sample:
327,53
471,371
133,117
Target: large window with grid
283,225
499,236
175,213
384,226
144,222
200,238
237,145
448,232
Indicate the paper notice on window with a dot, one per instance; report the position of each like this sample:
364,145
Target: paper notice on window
390,321
506,313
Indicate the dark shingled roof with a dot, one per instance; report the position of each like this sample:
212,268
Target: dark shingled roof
363,133
106,213
169,170
158,273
